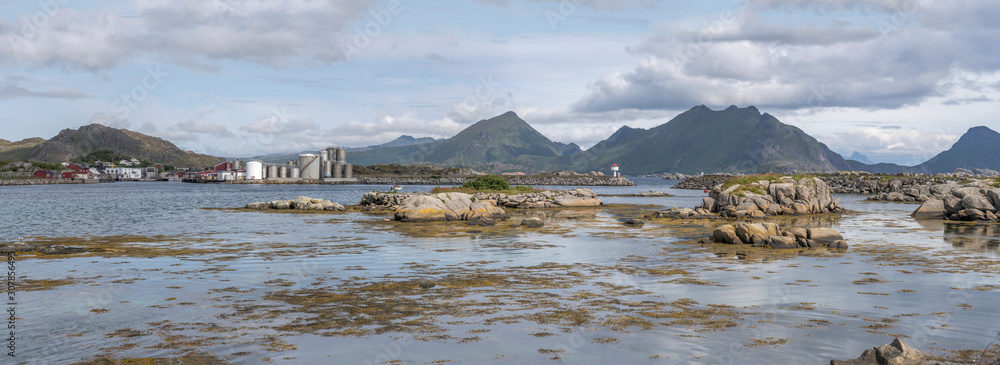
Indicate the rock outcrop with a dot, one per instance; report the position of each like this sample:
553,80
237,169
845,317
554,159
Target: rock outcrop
706,182
417,207
771,235
895,353
969,203
300,203
447,207
784,196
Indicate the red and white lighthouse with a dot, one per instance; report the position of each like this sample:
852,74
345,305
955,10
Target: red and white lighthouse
614,171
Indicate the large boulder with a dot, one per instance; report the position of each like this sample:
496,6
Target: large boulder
751,232
824,235
445,207
895,353
977,201
952,204
726,234
931,209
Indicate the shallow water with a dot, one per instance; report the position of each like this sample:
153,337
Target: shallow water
931,281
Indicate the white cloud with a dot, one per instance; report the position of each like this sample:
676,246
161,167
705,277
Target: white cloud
783,67
894,145
191,33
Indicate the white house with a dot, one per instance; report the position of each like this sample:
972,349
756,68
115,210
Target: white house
125,173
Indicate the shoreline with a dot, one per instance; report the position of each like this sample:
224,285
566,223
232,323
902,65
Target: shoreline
27,182
415,180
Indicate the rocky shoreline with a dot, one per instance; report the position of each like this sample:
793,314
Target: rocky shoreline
25,182
706,182
454,181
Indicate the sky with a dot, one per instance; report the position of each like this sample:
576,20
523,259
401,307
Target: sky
897,80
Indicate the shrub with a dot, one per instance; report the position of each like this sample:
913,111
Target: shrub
488,182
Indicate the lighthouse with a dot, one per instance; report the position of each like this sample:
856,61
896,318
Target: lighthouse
614,171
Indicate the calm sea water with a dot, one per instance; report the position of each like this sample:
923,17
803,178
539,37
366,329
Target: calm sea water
813,303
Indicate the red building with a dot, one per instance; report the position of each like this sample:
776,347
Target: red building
46,174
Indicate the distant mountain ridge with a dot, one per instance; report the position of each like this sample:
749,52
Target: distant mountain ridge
498,140
70,144
6,145
401,141
858,156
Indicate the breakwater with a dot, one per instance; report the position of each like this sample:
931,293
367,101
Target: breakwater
23,182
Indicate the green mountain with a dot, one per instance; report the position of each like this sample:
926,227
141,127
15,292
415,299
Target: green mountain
979,148
500,140
71,144
734,140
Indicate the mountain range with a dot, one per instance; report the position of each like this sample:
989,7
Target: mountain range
733,140
71,144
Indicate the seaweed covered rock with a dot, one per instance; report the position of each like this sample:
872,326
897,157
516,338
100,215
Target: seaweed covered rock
300,203
575,198
771,235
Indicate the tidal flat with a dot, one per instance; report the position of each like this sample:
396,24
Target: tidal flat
219,285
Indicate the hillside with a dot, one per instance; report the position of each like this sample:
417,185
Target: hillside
979,148
70,144
498,140
734,140
6,145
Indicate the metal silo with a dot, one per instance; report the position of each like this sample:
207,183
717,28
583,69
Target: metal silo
237,164
283,172
293,173
338,171
272,172
348,171
309,166
341,155
255,170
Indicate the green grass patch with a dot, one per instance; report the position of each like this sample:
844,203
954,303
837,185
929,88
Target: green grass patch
488,182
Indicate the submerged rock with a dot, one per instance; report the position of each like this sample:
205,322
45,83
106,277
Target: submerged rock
635,222
895,353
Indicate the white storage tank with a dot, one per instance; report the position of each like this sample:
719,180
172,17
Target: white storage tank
309,166
255,170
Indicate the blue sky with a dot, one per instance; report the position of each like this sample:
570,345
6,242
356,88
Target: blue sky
898,80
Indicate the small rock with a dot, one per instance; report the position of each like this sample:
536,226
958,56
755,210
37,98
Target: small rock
635,222
533,222
427,285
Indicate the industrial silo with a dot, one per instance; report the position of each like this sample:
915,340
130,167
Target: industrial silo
293,173
255,170
309,166
338,171
341,155
237,164
283,172
348,171
272,171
